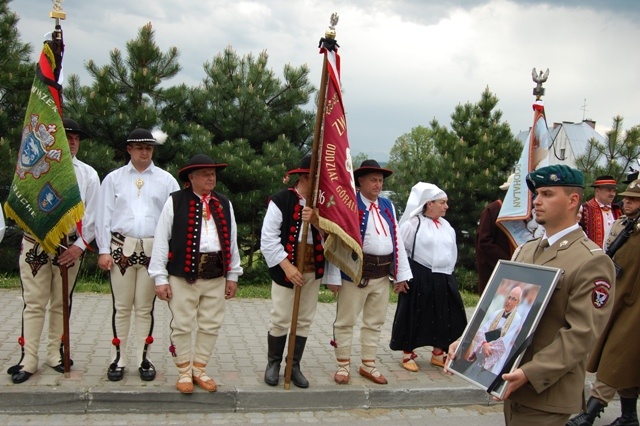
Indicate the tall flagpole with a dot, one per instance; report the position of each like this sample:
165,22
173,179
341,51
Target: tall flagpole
58,47
327,42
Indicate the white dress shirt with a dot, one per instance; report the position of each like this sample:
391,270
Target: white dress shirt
131,202
89,185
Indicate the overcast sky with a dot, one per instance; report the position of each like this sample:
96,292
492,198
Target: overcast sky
404,62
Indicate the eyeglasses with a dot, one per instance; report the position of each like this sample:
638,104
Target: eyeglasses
512,299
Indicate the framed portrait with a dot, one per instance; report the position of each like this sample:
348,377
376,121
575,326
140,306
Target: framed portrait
508,312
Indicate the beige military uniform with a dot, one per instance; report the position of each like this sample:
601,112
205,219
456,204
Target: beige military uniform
576,314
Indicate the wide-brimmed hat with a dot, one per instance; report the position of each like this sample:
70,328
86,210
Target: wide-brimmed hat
633,190
605,181
507,184
70,126
370,166
631,176
197,162
305,167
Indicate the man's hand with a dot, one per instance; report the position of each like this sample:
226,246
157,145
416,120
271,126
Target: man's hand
401,287
163,292
105,262
230,289
309,216
514,381
451,354
487,350
295,276
334,289
68,257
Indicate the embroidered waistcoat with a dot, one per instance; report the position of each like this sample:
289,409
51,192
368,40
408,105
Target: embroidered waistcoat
184,246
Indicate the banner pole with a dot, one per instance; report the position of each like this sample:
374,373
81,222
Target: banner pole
311,199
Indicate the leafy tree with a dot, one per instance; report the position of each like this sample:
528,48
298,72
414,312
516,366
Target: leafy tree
468,162
619,151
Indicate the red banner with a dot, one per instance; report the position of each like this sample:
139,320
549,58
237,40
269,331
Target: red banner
336,192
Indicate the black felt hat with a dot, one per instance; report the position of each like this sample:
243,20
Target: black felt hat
197,162
370,166
71,126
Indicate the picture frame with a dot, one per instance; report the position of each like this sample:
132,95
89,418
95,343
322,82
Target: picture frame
503,323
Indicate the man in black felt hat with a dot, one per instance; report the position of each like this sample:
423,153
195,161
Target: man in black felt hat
40,274
131,199
384,258
599,213
196,265
281,233
548,385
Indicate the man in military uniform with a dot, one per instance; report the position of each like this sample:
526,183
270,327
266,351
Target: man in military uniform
616,354
40,272
548,385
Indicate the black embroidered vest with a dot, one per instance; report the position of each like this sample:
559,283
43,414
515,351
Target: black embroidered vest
288,202
184,245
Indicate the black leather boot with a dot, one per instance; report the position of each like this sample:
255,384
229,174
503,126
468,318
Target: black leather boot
274,358
629,414
297,377
594,408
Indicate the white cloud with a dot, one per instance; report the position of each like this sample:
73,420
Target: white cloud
404,62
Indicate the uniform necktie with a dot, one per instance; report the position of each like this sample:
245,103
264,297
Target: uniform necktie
541,247
374,207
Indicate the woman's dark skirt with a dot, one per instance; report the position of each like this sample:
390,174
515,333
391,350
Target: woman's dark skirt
431,313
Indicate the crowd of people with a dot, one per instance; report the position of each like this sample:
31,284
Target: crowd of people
178,242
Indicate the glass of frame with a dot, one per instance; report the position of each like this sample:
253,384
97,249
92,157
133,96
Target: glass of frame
508,312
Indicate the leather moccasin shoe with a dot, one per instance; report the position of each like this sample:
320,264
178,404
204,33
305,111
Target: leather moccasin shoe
409,364
438,360
379,378
20,376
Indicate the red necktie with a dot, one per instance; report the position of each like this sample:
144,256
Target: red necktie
437,222
205,202
374,207
606,208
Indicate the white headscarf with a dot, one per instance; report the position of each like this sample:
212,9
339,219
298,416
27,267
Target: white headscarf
421,193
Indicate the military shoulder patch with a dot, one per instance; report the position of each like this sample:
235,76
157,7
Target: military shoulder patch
600,294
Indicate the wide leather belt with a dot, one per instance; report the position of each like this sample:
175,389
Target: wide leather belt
376,266
210,265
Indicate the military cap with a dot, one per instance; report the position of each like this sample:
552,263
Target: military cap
556,175
633,190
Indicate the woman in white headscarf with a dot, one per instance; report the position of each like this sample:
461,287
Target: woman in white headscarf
430,312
